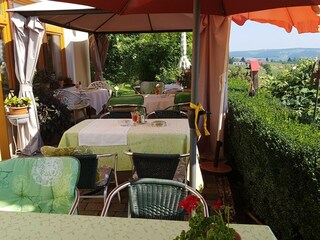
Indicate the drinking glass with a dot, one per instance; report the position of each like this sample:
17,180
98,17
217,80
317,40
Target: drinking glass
134,117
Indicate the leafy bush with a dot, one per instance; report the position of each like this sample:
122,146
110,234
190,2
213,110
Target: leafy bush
278,160
292,86
54,117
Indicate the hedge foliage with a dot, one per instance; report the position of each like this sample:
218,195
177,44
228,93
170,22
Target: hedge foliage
278,160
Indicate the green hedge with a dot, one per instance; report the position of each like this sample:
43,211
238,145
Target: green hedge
278,160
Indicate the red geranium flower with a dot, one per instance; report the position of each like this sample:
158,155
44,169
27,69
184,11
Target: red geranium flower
190,203
217,204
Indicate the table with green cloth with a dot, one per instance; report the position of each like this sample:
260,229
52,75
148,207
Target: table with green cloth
38,226
172,138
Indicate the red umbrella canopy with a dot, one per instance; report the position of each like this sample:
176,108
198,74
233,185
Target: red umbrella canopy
304,19
214,7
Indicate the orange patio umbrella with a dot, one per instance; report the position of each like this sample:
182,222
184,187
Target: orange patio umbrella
304,19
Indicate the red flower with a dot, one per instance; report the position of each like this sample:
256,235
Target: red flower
217,204
189,203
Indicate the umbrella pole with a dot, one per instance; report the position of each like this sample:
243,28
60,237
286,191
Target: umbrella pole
194,88
218,166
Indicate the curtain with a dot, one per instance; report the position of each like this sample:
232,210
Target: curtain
212,86
28,34
99,45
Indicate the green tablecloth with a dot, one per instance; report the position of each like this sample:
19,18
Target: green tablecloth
173,138
38,226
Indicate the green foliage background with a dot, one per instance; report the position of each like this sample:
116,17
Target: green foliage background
278,160
144,57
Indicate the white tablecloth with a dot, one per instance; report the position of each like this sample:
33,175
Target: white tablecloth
97,97
154,102
98,133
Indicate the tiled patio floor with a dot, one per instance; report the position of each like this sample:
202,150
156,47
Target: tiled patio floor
215,187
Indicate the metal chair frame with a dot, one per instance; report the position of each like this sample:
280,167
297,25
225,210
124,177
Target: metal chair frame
179,164
159,114
150,181
89,182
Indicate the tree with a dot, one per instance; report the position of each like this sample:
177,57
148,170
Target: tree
243,59
144,57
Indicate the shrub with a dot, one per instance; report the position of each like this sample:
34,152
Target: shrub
54,117
278,160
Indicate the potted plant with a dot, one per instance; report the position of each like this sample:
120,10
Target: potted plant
42,79
68,81
60,82
215,227
16,105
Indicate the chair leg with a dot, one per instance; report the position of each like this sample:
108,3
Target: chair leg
116,176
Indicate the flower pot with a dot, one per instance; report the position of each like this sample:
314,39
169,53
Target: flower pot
61,84
18,110
237,236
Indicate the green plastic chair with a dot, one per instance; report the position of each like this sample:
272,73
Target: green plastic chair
155,198
39,184
181,102
182,97
129,103
126,99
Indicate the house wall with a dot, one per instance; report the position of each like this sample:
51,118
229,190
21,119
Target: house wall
75,63
77,55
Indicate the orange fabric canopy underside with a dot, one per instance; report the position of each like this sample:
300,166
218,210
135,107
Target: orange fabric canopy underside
304,19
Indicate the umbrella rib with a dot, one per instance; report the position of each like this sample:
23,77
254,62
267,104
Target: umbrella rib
150,22
124,7
107,20
223,8
292,23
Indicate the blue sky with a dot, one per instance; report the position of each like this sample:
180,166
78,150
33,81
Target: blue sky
255,36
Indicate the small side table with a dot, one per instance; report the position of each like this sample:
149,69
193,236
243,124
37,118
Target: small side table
19,121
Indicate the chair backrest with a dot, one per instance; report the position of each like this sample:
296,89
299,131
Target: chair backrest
116,114
167,114
98,84
149,165
88,170
182,97
39,184
182,101
69,99
156,198
150,87
126,99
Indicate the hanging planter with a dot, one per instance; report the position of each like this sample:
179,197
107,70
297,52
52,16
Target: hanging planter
16,105
18,110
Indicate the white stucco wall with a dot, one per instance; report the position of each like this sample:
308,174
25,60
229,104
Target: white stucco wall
77,56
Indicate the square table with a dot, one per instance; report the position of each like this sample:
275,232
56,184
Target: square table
145,138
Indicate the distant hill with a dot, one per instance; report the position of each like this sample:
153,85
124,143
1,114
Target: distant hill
278,54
